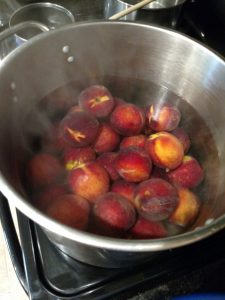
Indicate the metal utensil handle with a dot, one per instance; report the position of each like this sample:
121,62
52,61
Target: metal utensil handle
29,24
130,9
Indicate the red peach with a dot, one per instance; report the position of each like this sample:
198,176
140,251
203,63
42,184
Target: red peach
49,195
155,199
124,188
89,180
146,229
114,214
118,101
53,142
182,135
96,100
165,150
187,208
164,117
73,157
44,169
79,128
134,140
107,139
71,210
189,174
133,164
107,160
127,119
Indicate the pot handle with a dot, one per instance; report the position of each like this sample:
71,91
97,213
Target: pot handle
28,24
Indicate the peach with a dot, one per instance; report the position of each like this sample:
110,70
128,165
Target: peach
118,101
107,160
73,157
127,119
79,129
187,209
182,135
133,164
164,117
124,188
49,195
134,140
165,150
155,199
53,142
44,169
159,173
89,180
146,229
107,139
114,214
75,108
71,210
189,174
96,100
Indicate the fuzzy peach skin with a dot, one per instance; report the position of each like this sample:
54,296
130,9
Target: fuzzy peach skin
134,140
89,180
165,150
187,209
163,118
124,188
107,160
73,157
127,119
189,173
184,138
133,164
97,100
71,210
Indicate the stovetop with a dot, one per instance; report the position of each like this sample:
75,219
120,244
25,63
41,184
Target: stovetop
47,273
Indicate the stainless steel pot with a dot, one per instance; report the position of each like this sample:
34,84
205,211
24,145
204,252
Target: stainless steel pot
140,63
159,12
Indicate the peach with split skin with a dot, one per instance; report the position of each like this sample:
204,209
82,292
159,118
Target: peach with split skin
187,209
165,150
73,157
133,164
146,229
96,100
134,140
189,174
164,117
114,214
155,199
79,129
107,139
127,119
124,188
89,180
47,196
44,169
71,210
182,135
107,161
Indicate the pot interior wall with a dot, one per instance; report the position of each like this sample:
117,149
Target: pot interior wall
136,62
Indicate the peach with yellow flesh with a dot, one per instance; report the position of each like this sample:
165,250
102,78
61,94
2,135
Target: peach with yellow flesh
155,199
134,140
44,169
107,160
165,150
127,119
89,180
182,135
96,100
146,229
133,164
107,139
79,129
114,214
73,157
71,210
187,209
189,174
124,188
163,117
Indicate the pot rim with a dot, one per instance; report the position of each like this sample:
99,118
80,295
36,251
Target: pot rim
88,238
154,8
